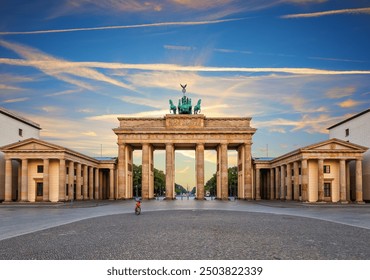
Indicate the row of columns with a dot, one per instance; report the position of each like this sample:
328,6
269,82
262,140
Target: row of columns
125,160
283,187
89,189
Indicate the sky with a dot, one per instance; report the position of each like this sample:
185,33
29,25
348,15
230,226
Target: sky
295,66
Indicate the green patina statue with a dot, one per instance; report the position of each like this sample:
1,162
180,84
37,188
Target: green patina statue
184,106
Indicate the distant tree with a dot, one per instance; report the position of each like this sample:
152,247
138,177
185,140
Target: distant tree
136,179
159,182
180,189
233,180
211,184
194,190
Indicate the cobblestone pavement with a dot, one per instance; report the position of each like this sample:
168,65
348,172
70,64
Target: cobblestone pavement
185,230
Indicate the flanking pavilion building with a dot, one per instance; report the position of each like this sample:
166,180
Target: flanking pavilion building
316,173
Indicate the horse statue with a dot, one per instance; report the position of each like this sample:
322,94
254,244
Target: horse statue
185,105
197,107
172,107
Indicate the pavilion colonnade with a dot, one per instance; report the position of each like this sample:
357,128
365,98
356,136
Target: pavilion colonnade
313,175
55,175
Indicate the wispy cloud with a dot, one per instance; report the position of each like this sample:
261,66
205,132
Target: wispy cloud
64,92
51,109
349,103
183,171
179,48
336,59
308,123
65,65
7,87
328,13
340,92
158,24
57,68
89,133
14,100
231,51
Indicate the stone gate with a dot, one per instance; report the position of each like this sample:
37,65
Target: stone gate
184,132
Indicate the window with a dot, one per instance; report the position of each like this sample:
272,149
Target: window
327,169
347,132
40,169
327,189
20,132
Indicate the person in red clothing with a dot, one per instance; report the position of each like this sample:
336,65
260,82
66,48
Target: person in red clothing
138,207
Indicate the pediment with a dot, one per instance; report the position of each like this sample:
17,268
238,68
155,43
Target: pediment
32,145
334,145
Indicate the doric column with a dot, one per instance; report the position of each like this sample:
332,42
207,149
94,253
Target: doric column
296,180
289,181
151,172
111,184
170,167
320,174
145,171
78,182
342,181
45,181
277,183
97,183
62,180
24,186
248,194
348,182
85,183
304,168
359,198
282,183
8,180
91,183
224,172
218,173
101,184
241,187
129,172
122,170
258,184
199,170
272,181
71,178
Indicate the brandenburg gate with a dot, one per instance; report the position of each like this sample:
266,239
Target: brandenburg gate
184,131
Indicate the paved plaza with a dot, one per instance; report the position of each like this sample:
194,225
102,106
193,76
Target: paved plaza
184,229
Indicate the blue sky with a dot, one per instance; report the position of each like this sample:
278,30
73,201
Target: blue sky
295,66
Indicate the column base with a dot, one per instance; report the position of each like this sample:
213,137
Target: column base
344,201
360,202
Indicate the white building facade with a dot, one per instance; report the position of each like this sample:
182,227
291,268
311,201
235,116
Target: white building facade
356,129
14,128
